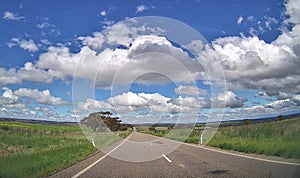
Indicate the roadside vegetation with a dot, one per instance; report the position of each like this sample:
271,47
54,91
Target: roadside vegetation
38,150
35,150
280,137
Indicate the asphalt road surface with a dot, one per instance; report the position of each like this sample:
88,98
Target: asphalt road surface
142,155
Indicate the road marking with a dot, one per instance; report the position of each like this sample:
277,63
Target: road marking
233,154
167,158
94,163
249,157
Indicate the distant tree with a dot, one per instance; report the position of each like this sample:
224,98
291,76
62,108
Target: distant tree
247,121
100,121
152,128
280,118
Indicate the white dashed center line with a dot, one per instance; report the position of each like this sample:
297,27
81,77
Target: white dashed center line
166,158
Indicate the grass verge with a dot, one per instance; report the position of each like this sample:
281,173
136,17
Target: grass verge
276,138
36,150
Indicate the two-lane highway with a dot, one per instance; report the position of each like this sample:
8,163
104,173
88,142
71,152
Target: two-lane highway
142,155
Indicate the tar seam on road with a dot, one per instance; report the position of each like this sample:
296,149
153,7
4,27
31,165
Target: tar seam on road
167,158
235,154
94,163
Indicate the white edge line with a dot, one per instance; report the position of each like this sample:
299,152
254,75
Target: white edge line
249,157
167,158
234,154
94,163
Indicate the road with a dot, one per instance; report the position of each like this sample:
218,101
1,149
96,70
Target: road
142,155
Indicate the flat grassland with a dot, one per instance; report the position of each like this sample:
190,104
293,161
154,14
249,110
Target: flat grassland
277,138
37,150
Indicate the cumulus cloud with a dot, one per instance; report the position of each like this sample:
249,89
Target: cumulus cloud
251,63
141,8
94,42
126,103
8,76
8,97
145,105
13,104
279,104
28,72
230,99
239,20
190,90
293,11
43,97
28,45
103,13
7,15
92,104
142,102
109,63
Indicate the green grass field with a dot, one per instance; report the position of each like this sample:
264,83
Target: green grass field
36,150
277,138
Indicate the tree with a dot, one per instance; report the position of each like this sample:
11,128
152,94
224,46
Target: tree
100,121
247,121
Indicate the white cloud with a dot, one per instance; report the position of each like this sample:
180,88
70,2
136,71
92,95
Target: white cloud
147,106
251,18
94,42
27,73
293,11
43,97
151,107
280,104
109,63
251,63
8,97
190,90
239,20
190,104
103,13
31,73
14,105
45,24
141,8
7,15
230,99
128,99
9,76
28,45
296,98
91,105
283,95
45,42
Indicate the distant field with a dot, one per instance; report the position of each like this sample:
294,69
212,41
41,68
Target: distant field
277,138
35,150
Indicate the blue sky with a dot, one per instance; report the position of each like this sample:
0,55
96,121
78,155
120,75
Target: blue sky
245,65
